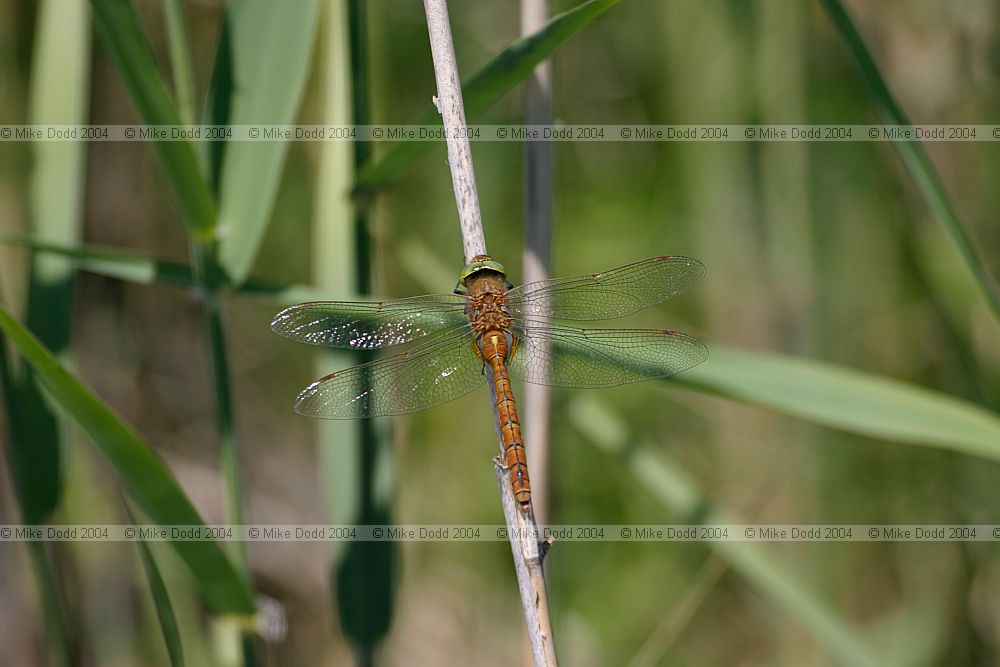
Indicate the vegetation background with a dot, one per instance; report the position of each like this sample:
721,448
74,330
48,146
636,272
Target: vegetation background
854,376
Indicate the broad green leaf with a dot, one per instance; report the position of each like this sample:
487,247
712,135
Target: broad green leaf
913,155
673,487
147,480
849,400
271,46
487,86
59,91
121,33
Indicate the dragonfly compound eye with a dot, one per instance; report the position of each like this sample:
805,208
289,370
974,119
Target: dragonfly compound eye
480,263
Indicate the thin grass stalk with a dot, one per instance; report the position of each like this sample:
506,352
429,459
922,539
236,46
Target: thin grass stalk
666,634
913,155
376,576
671,486
161,598
180,60
526,547
537,248
209,279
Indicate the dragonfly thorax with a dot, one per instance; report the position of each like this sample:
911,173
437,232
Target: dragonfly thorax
488,312
487,307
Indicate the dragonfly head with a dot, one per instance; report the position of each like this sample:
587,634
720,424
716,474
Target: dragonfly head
478,264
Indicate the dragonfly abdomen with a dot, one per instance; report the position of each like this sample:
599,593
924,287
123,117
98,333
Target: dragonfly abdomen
495,353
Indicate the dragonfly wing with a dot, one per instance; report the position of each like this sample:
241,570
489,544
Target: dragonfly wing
605,296
566,357
429,375
369,326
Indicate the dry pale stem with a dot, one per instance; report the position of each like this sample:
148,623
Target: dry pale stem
449,104
527,548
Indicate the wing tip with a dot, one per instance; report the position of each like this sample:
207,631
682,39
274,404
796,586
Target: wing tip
277,322
680,258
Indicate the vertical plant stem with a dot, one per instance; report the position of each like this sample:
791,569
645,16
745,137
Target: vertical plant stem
354,452
209,278
450,106
537,248
180,59
59,94
527,549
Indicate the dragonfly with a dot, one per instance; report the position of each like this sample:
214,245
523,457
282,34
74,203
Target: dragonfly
488,331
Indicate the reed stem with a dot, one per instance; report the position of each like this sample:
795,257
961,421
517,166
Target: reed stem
528,550
449,105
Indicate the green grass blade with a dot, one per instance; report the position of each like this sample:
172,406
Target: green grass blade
271,46
164,610
671,485
161,601
849,400
180,59
142,473
112,262
912,153
488,85
133,267
121,33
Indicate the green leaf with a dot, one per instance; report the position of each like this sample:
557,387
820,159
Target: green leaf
849,400
161,600
486,87
180,59
141,472
673,487
913,155
60,81
121,33
271,46
112,262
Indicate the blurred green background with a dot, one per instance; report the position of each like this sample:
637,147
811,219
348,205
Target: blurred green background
816,252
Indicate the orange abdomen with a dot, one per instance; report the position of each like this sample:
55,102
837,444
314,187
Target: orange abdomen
495,353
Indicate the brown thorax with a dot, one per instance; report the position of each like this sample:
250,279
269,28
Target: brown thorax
487,299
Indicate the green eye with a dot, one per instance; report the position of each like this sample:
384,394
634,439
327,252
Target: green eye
479,265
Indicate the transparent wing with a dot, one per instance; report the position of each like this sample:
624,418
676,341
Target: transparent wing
565,357
434,373
368,326
605,296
